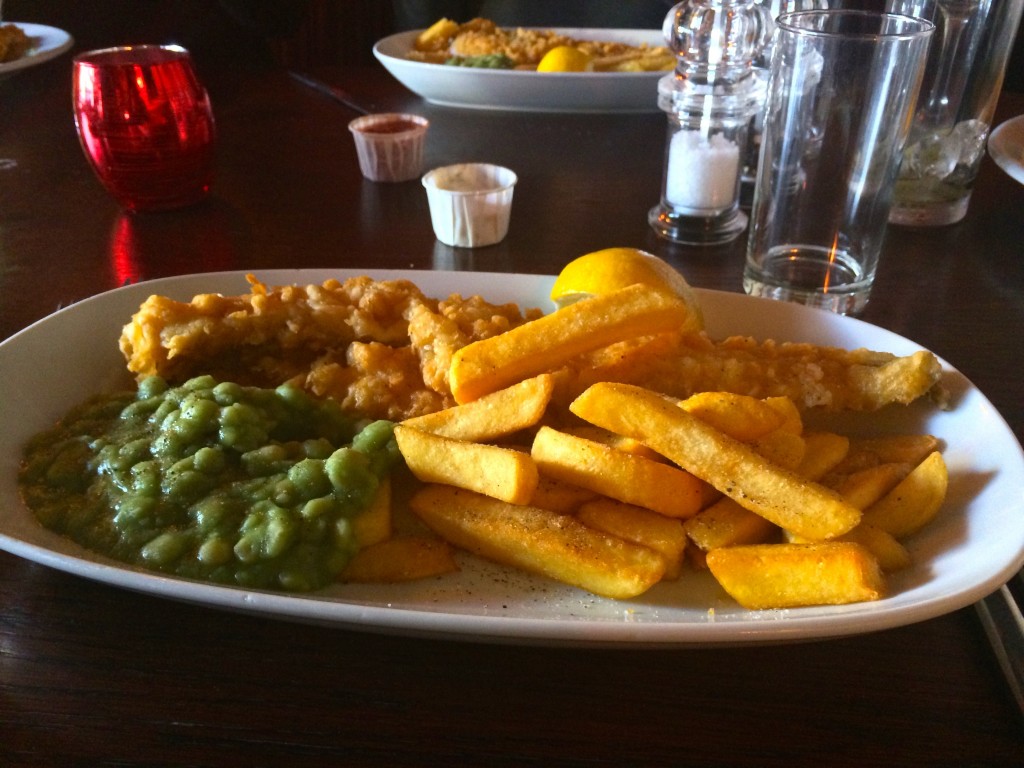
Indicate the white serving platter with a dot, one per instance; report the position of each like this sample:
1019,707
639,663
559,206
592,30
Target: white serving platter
503,89
975,544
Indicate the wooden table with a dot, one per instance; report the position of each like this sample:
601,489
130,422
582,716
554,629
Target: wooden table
92,675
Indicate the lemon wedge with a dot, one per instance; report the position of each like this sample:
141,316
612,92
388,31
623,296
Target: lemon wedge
565,58
610,269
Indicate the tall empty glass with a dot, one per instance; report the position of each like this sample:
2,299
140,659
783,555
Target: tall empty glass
841,88
145,124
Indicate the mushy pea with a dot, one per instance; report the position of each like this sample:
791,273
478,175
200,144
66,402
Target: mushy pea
215,481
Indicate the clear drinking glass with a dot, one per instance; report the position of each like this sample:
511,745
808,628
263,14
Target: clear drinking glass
963,79
146,125
841,88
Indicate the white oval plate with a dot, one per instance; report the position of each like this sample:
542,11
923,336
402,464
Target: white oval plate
47,43
975,544
524,90
1006,145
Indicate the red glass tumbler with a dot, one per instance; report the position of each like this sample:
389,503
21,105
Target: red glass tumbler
145,124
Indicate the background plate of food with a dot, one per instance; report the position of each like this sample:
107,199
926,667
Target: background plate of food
528,89
43,43
973,545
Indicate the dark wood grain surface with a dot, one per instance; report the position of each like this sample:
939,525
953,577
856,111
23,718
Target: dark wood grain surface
93,675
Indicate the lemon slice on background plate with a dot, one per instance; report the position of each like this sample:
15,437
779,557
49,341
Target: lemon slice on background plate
610,269
565,58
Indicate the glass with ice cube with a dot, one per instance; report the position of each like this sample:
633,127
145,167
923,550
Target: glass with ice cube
963,78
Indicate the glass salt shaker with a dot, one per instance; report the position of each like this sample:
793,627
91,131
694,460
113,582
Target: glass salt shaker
709,99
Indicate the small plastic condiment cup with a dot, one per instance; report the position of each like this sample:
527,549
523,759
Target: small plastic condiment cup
470,203
390,145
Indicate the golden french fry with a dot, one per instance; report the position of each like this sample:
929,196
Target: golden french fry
618,442
549,342
558,496
640,526
772,425
373,525
624,476
792,420
735,469
781,447
914,501
866,486
495,415
889,449
405,558
763,576
726,524
503,473
890,554
822,452
741,417
539,541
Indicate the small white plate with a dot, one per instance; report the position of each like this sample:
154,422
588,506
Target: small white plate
47,43
524,90
975,544
1006,145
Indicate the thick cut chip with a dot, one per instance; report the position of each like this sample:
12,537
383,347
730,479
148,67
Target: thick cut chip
772,425
405,558
890,554
763,576
890,449
641,526
558,496
822,452
726,524
539,541
495,415
503,473
549,342
618,442
792,420
741,417
866,486
733,468
373,525
914,501
624,476
781,447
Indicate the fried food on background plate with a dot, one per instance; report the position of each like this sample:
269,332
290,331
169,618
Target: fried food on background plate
525,47
14,43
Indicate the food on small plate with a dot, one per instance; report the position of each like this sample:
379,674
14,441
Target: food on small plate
481,43
14,43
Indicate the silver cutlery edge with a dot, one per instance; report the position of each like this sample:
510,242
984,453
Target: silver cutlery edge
1003,621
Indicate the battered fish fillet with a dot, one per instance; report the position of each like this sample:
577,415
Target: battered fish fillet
383,350
812,376
380,348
